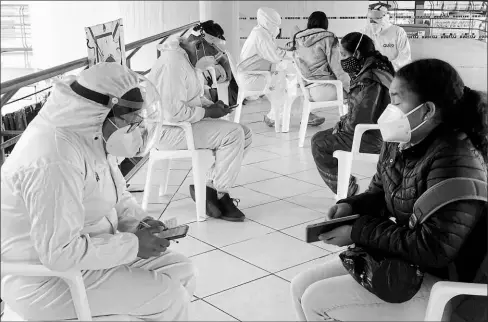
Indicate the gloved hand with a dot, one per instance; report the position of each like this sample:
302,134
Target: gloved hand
150,245
217,110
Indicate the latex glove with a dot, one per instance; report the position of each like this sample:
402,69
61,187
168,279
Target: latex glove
152,223
217,110
150,245
341,236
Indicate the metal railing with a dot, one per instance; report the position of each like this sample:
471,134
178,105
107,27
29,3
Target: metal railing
9,88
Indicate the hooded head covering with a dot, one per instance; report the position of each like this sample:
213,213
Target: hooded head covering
378,13
270,20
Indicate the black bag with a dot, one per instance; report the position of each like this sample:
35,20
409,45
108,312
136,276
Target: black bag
395,280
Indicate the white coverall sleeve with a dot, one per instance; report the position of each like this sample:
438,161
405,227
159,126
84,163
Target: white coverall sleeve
53,197
170,81
269,51
404,53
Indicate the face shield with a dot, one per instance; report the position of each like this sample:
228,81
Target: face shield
378,16
132,126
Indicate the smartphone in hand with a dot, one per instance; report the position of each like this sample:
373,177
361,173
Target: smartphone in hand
315,230
174,233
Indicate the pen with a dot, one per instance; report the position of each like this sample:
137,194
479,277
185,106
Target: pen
145,224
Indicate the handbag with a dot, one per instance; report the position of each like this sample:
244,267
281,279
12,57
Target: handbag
395,280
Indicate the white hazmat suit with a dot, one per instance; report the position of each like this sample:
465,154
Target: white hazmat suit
261,53
65,205
181,90
390,40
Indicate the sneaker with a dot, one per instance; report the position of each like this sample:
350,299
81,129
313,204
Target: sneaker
229,209
212,203
353,187
269,122
314,120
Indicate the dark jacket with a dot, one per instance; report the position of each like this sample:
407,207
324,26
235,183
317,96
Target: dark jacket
367,99
456,233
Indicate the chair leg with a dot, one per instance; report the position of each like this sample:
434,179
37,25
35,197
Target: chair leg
147,186
303,124
287,114
240,99
223,91
163,186
344,163
200,185
80,299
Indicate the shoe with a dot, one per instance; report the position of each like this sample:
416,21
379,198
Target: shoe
269,122
314,120
353,187
229,209
212,202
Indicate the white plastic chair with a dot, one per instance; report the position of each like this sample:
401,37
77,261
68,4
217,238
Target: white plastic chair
309,105
222,88
200,165
345,159
444,291
72,278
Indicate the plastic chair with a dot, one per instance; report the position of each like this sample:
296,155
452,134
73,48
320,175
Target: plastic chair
72,278
345,159
309,105
443,291
199,166
222,88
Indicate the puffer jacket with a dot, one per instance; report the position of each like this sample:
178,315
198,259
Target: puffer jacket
317,52
454,234
367,99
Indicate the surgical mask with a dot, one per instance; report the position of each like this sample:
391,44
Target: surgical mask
125,141
379,24
394,124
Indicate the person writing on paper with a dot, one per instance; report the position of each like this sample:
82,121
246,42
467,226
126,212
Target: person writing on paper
177,80
371,74
261,53
65,205
435,131
390,40
318,57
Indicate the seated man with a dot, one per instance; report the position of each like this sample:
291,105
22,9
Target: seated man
175,76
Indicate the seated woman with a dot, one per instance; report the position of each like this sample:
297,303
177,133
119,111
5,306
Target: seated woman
213,53
318,57
371,75
435,130
65,205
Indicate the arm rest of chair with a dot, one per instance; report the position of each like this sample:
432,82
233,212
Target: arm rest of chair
358,134
186,126
444,291
35,270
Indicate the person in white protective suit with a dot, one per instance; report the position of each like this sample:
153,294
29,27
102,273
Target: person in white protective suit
261,53
390,40
64,205
181,90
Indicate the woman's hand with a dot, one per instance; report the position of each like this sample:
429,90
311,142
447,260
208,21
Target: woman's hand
338,211
341,236
150,245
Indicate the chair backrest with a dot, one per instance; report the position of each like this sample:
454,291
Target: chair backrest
233,66
301,82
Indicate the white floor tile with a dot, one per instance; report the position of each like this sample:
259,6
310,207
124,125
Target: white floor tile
256,155
266,299
184,210
190,246
200,310
218,271
285,165
320,200
251,173
219,233
250,198
311,176
262,140
281,214
282,187
290,273
154,198
363,169
363,184
299,232
275,251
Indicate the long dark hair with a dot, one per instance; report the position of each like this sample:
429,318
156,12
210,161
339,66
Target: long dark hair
318,19
211,28
461,108
366,48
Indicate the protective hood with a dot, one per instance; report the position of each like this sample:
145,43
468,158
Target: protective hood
66,109
269,20
310,37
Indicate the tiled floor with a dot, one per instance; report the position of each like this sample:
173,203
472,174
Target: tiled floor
244,269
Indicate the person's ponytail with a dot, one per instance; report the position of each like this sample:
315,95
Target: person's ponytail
384,61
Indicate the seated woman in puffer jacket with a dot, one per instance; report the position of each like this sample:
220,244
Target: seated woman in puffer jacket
318,57
435,132
371,75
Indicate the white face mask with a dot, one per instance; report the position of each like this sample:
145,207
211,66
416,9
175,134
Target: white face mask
123,144
380,24
394,124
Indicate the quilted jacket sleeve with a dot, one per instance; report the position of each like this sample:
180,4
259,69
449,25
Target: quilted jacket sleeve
436,242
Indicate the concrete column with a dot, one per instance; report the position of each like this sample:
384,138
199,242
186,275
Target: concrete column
226,14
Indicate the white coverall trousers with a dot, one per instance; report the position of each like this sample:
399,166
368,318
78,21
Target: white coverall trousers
229,141
328,293
153,289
